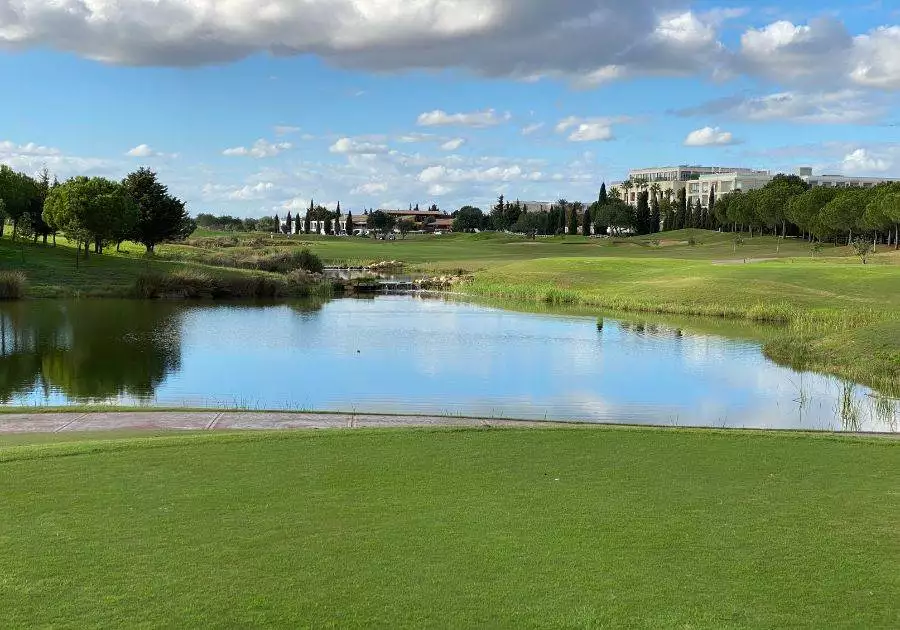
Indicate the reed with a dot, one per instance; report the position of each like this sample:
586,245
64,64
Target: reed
12,285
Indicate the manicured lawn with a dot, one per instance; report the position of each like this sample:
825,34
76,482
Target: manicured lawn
457,528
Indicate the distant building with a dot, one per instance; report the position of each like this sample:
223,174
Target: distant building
699,181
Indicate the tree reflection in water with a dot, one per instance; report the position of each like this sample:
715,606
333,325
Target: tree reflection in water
89,350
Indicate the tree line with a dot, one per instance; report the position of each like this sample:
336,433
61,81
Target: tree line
92,211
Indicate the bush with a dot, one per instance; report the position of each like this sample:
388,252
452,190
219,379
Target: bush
199,285
12,285
285,262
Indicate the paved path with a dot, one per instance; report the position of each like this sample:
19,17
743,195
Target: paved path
227,421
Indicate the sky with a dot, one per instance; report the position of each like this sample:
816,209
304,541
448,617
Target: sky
254,108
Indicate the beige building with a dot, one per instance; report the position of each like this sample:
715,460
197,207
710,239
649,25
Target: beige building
671,178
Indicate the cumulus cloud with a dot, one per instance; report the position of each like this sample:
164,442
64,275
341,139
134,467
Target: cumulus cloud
588,129
863,161
370,188
876,61
443,174
354,146
453,145
261,149
31,157
709,136
440,118
146,151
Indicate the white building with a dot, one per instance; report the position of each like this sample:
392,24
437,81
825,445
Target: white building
671,178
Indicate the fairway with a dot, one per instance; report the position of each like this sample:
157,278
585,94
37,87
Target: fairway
452,528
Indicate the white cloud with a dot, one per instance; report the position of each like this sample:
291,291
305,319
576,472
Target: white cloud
141,150
598,77
439,190
836,107
261,149
862,161
442,174
354,146
284,130
10,149
685,29
588,129
453,145
370,188
32,157
257,191
709,136
877,59
532,128
440,118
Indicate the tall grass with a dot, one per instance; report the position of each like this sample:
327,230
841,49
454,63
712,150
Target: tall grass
191,284
283,260
12,285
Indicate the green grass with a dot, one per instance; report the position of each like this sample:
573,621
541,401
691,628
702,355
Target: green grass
840,317
453,528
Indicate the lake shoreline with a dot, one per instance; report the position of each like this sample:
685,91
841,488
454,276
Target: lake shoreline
176,420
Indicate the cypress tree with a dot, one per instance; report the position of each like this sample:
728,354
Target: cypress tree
307,223
655,218
277,224
328,225
711,214
586,222
288,228
561,226
349,224
642,214
573,221
604,197
681,210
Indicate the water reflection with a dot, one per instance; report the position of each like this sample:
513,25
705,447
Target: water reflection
408,354
87,350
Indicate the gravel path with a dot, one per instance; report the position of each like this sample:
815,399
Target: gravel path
227,421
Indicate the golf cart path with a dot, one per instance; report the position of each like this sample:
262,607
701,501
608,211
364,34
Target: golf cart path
66,422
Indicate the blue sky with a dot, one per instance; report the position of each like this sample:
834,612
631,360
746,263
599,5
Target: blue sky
253,108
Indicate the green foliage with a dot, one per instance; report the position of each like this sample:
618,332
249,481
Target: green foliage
161,216
468,219
12,285
91,210
381,221
863,248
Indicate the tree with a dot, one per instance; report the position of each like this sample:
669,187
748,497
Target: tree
348,224
681,210
805,210
467,219
161,216
498,214
573,221
883,212
844,213
380,221
711,221
328,226
586,222
697,220
405,226
17,191
90,210
642,213
655,213
772,201
862,247
266,224
286,228
604,197
307,222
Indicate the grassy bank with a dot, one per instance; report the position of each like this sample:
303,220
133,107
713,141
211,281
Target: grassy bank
838,317
51,272
456,528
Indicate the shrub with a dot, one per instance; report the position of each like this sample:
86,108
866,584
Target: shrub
192,284
12,285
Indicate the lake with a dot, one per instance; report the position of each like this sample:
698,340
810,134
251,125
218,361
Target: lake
409,354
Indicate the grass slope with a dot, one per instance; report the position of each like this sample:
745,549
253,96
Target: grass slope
842,317
457,528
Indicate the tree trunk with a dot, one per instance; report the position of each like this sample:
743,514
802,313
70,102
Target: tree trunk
54,239
2,226
897,236
15,228
45,238
87,249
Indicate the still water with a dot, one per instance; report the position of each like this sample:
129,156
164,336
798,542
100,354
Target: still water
412,355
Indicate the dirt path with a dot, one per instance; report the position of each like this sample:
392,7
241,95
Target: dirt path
227,421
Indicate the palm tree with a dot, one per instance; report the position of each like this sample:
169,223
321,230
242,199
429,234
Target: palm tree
655,190
627,185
